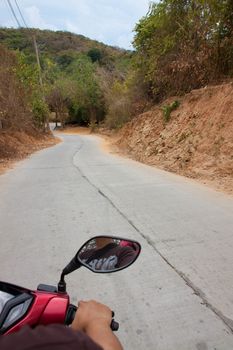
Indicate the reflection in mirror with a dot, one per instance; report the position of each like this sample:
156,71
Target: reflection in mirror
108,254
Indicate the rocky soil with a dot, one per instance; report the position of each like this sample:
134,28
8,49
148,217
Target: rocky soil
196,142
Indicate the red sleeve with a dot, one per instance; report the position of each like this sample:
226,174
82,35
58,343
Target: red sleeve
53,337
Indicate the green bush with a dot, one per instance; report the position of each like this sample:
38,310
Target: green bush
167,109
95,54
40,111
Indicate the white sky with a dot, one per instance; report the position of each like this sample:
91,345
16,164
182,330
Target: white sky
109,21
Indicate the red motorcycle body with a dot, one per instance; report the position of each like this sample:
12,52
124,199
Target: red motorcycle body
41,307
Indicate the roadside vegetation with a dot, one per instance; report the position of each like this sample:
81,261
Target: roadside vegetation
79,75
22,105
184,44
76,73
179,45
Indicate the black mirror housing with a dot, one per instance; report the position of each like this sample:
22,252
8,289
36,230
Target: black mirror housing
106,254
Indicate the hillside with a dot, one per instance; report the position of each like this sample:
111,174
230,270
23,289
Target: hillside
50,41
62,47
197,140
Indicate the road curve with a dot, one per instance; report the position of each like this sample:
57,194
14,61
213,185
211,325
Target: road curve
178,295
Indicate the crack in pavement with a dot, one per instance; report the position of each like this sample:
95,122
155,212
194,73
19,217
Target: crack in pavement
197,291
46,168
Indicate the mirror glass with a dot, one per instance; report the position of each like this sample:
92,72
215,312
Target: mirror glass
108,254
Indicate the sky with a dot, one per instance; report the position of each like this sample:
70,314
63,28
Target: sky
108,21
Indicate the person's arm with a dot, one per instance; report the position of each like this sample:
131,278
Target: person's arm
125,256
52,337
94,319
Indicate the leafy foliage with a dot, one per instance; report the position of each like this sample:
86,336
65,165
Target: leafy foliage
95,54
69,70
184,44
83,91
167,109
21,103
40,111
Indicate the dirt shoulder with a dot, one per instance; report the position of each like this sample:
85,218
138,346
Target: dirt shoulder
111,144
15,146
196,142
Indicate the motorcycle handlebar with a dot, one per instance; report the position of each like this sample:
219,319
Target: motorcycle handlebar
70,315
114,325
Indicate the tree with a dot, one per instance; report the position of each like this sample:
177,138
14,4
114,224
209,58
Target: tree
184,44
28,75
21,104
85,92
58,104
95,54
64,60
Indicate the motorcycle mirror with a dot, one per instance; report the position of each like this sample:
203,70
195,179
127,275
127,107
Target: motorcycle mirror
102,254
105,254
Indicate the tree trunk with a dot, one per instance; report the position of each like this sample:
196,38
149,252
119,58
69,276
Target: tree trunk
92,119
92,116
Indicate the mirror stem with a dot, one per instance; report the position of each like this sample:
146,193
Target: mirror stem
72,266
61,287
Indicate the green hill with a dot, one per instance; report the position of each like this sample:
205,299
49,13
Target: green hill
51,42
62,47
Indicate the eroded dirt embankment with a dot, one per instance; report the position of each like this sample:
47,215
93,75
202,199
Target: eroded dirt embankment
16,145
197,141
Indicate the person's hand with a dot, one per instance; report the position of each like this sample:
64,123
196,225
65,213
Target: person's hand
94,319
90,313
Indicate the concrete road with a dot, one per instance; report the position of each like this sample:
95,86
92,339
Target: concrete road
178,295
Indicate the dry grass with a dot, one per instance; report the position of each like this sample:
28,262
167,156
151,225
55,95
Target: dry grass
17,145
